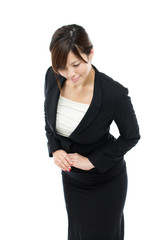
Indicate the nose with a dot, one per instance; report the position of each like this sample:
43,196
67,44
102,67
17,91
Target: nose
70,74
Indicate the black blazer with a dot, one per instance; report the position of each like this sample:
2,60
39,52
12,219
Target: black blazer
91,138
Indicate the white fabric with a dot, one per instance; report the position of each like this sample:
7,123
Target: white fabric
69,114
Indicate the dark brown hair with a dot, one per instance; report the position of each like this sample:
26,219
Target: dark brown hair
65,39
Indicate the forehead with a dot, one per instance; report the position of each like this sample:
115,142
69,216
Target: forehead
71,58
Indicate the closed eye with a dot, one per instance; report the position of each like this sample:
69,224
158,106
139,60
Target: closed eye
76,65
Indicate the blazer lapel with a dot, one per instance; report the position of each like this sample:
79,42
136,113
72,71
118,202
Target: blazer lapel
91,112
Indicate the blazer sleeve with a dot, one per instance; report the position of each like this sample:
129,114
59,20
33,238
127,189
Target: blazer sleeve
126,121
52,143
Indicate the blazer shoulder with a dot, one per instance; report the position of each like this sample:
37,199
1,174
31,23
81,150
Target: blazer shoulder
50,80
49,75
114,88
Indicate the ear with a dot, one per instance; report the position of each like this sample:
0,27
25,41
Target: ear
91,54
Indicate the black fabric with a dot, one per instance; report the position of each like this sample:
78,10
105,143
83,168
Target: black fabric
92,138
95,205
91,177
95,198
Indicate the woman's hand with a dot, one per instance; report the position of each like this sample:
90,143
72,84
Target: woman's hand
62,160
80,161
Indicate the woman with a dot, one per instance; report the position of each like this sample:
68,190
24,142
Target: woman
80,105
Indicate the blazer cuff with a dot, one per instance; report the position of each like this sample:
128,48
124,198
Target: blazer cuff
53,147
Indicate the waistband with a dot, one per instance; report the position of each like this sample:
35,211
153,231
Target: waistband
111,174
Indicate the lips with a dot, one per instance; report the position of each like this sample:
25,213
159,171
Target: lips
75,79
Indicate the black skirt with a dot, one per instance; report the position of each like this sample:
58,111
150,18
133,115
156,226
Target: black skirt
95,202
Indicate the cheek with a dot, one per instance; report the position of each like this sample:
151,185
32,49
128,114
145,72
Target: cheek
82,69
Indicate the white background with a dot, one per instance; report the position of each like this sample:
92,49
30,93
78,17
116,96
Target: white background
126,40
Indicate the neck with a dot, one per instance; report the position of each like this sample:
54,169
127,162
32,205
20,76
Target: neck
90,78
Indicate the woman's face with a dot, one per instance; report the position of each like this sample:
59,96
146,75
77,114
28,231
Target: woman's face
76,71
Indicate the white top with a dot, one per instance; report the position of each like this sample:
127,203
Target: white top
69,114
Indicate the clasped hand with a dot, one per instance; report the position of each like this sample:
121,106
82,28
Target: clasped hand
66,160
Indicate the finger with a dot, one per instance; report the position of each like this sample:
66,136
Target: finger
62,166
66,163
68,159
71,154
72,158
62,159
